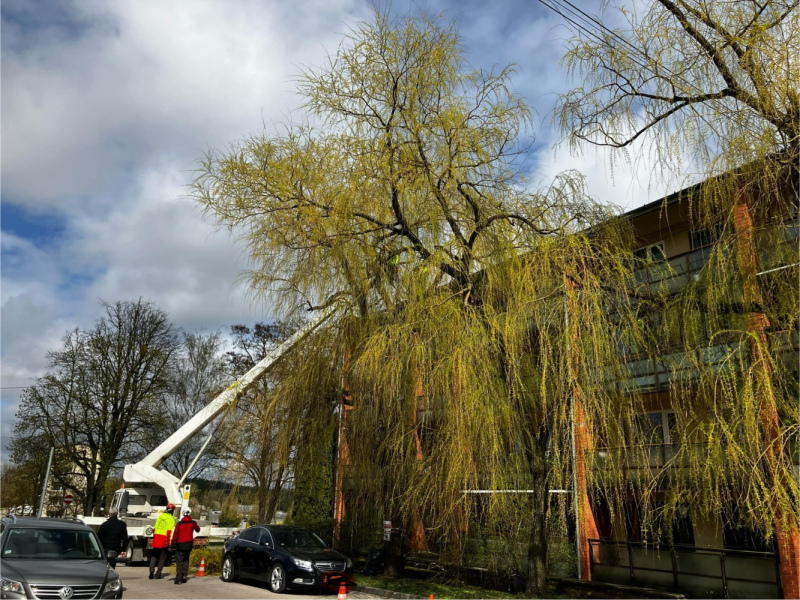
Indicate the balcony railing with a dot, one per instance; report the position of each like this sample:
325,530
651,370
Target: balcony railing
672,275
660,373
695,571
669,462
775,247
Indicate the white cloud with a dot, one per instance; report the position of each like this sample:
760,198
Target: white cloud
106,109
149,80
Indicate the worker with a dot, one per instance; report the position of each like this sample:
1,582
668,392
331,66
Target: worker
113,535
183,540
162,534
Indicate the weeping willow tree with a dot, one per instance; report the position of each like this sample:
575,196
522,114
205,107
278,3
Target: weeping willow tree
712,88
476,317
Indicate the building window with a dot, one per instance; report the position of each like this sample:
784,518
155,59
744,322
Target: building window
651,254
739,536
682,527
657,427
602,516
700,238
659,531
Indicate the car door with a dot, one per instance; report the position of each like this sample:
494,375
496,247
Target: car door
245,551
263,555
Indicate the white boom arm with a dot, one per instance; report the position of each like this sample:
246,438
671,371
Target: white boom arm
147,469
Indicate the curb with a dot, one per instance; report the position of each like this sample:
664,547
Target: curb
385,593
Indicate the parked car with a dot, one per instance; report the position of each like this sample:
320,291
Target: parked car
285,557
54,558
23,510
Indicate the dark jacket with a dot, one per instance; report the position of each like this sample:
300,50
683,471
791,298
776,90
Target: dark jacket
113,534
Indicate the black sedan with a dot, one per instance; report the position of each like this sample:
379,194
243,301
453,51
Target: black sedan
285,557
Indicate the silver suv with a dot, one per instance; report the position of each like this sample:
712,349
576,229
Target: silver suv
54,558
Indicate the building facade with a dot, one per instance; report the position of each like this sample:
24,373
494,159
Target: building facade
695,554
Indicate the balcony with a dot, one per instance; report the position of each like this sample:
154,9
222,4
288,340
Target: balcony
650,374
776,247
668,463
672,275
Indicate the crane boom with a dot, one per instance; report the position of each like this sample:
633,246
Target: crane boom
147,471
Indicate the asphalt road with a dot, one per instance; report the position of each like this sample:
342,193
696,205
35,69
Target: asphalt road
137,585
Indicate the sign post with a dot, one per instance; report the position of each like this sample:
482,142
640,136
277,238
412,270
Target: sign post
387,531
68,499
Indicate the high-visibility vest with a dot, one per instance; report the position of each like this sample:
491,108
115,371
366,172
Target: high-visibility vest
163,530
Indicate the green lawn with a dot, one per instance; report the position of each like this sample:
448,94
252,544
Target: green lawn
424,588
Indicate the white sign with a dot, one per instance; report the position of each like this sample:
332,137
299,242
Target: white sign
387,531
68,499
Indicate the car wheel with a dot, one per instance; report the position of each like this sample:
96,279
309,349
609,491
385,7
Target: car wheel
277,579
129,555
228,569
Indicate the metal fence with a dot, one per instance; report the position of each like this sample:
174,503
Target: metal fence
697,572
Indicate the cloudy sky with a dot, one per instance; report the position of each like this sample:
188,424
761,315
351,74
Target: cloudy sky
106,107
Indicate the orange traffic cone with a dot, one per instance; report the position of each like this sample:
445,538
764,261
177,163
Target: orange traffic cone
430,597
201,572
342,592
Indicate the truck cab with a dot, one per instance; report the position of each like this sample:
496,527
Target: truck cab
139,501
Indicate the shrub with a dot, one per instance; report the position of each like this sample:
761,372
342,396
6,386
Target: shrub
213,559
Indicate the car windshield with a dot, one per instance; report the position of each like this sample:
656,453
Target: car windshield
51,543
297,538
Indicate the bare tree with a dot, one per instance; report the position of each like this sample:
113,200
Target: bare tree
254,440
198,374
101,402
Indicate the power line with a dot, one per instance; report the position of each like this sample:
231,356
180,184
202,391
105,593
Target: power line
647,65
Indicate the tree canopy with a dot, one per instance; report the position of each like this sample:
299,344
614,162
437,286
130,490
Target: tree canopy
406,201
477,315
99,403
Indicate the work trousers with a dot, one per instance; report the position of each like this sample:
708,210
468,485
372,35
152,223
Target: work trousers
158,555
183,550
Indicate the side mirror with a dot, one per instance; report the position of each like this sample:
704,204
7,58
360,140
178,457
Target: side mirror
111,555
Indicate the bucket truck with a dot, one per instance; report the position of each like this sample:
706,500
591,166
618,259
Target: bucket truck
148,489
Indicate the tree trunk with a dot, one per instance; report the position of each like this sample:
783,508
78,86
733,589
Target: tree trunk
272,495
537,545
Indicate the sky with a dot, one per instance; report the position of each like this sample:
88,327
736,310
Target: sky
107,107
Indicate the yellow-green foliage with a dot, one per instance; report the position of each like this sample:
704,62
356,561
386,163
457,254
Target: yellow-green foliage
406,207
713,85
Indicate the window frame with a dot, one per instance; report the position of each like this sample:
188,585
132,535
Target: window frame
250,531
666,433
265,532
648,253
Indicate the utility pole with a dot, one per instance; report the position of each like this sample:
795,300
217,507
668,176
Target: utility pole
46,482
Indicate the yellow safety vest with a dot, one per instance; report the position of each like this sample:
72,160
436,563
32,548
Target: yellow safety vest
162,530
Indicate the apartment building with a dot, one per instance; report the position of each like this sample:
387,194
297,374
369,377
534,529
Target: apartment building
701,556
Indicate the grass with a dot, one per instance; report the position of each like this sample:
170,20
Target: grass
424,588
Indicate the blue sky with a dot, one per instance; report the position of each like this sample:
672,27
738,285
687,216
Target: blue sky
106,107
